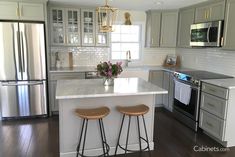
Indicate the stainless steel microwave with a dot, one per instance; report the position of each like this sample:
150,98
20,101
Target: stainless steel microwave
207,34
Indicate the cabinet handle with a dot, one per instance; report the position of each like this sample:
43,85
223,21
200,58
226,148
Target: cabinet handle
222,41
21,11
17,11
205,14
208,13
210,104
212,90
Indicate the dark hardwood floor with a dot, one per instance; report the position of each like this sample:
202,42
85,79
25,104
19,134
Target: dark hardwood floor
40,138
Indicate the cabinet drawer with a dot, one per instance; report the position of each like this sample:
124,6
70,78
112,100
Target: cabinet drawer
212,124
67,76
214,105
215,90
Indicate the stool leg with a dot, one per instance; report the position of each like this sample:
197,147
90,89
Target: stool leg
138,123
105,140
128,131
84,140
119,135
80,138
102,138
146,133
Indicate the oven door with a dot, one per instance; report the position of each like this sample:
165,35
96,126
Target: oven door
190,110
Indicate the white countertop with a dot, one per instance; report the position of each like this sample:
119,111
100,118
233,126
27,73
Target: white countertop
93,68
81,88
226,83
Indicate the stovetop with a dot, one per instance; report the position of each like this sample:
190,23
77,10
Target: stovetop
195,77
202,75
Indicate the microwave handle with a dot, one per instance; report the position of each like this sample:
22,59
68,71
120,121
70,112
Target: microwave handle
208,34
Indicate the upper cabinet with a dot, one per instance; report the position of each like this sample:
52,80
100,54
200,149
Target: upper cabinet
229,31
161,29
22,11
88,27
169,29
210,12
186,18
153,28
57,26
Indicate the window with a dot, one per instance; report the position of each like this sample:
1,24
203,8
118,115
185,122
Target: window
123,39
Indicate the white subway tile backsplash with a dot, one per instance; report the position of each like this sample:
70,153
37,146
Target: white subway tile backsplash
209,59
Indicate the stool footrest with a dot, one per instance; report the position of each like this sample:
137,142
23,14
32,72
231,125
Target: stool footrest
106,153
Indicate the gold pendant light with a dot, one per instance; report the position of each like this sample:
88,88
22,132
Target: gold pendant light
106,17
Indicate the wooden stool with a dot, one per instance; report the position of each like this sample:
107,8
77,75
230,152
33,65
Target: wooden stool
93,114
130,111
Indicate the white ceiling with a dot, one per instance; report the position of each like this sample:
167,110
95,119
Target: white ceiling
133,4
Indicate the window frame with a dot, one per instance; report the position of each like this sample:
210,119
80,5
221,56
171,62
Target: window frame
141,34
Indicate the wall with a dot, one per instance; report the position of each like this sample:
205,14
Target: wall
209,59
91,56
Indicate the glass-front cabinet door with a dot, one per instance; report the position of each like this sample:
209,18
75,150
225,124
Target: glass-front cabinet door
57,26
88,27
102,38
73,27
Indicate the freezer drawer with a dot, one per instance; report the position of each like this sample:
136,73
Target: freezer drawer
23,98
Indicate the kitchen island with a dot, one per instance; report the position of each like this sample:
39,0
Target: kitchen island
83,93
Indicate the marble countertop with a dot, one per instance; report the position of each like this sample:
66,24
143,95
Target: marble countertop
93,68
81,88
226,83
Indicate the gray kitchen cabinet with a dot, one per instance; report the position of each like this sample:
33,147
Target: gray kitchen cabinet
169,29
210,12
229,31
156,77
22,11
153,26
54,77
168,84
186,18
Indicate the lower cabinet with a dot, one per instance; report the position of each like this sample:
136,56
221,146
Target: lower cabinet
144,74
54,77
164,80
156,77
217,113
168,84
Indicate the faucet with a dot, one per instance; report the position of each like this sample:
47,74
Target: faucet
128,58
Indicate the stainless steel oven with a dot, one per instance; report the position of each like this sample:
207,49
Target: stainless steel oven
207,34
188,113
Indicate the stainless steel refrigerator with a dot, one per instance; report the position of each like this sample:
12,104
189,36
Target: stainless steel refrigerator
23,78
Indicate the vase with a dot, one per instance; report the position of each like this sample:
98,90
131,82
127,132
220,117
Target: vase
108,81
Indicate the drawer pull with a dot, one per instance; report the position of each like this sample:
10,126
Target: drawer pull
211,105
209,124
212,90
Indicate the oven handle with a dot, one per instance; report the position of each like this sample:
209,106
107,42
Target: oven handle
208,34
191,86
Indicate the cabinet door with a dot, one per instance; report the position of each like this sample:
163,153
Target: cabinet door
229,32
52,93
102,38
153,25
156,77
9,11
73,34
166,85
88,27
202,14
186,18
57,26
171,92
31,11
169,29
217,11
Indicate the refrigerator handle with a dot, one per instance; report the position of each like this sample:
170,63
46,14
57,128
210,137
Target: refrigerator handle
23,50
22,84
17,52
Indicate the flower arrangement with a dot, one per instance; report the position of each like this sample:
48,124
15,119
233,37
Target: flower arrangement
109,70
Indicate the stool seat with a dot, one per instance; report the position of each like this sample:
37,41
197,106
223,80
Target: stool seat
133,110
94,113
